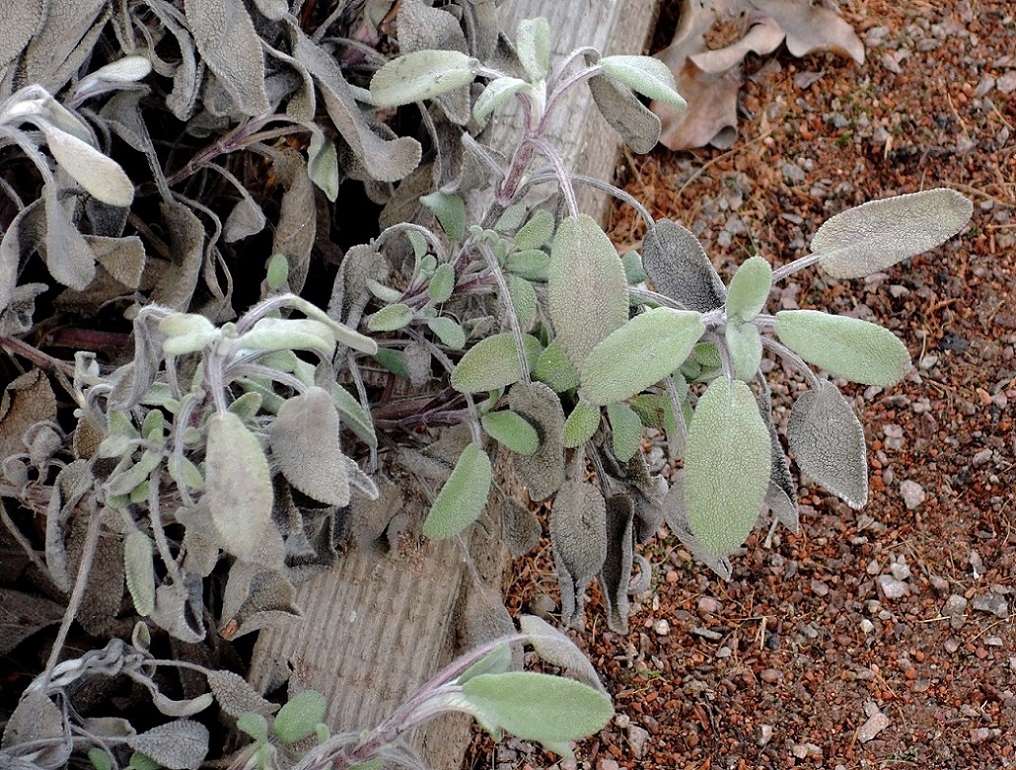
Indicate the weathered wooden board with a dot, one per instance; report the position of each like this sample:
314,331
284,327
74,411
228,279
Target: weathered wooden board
376,629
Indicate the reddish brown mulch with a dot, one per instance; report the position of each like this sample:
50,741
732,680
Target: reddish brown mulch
905,608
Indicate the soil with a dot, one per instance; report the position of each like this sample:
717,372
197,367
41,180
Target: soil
880,638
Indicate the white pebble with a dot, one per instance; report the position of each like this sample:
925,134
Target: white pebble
892,588
913,493
661,627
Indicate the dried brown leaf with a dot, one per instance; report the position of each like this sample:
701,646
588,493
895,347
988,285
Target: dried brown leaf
230,47
27,400
709,79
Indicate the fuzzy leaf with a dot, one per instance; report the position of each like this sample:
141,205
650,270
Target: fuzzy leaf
497,92
615,574
523,298
178,745
857,350
298,718
531,264
36,728
512,430
21,615
581,424
239,491
450,333
639,354
323,165
353,415
543,471
749,290
139,570
246,219
554,369
493,363
305,447
588,295
230,47
497,661
677,265
645,75
289,334
726,466
450,211
536,232
463,496
442,283
97,173
745,346
386,160
555,648
420,75
637,125
625,430
538,707
878,234
390,318
186,333
828,443
578,532
532,43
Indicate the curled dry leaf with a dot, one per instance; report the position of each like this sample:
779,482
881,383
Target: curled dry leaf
543,471
710,79
578,531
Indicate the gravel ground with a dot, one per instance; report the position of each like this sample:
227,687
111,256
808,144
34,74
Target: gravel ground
882,638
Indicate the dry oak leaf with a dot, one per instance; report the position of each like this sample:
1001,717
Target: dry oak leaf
709,78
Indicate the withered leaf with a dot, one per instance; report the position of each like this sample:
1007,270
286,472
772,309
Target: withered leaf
297,227
578,531
255,598
236,695
19,23
27,400
186,240
37,727
709,79
22,614
616,571
385,160
239,64
305,446
179,745
543,471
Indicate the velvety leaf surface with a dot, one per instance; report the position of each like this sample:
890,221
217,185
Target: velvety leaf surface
828,443
543,471
640,353
463,496
178,745
857,350
538,707
588,295
512,430
578,532
878,234
678,267
726,466
305,447
239,65
749,289
493,363
239,491
420,75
